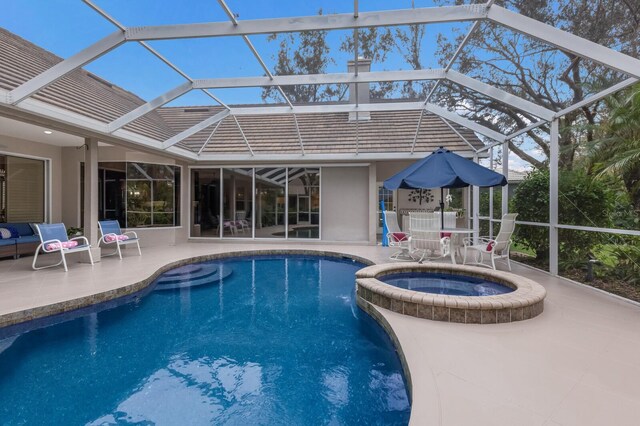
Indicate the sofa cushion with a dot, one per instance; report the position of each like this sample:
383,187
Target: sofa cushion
23,229
8,242
28,239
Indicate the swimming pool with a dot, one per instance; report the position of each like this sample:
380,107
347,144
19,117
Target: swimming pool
278,340
439,283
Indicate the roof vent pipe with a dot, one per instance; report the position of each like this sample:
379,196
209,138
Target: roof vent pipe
364,65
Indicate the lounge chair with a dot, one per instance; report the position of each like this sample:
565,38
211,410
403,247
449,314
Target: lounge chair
112,234
53,238
495,248
425,241
396,237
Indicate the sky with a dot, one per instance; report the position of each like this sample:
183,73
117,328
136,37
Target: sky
65,27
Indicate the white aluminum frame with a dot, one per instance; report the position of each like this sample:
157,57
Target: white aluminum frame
18,98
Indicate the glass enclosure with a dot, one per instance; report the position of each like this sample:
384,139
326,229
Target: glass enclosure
271,184
138,195
205,203
237,203
304,203
263,202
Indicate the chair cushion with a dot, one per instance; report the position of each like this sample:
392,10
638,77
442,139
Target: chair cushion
490,245
8,231
65,244
445,235
399,236
112,238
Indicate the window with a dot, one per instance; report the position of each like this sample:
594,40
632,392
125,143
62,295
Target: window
280,202
139,195
22,189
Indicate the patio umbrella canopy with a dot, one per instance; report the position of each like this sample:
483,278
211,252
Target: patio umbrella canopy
444,169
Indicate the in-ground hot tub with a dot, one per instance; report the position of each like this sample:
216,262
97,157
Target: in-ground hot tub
435,291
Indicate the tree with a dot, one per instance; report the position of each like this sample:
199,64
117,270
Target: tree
617,152
306,52
536,71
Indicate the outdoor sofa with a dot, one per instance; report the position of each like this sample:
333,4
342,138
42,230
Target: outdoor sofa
26,241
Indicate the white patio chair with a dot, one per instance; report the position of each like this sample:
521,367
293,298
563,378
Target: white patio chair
494,248
425,241
396,237
54,239
241,222
110,233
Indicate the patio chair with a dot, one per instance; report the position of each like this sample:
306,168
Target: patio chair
494,248
396,237
227,224
54,239
425,241
241,221
110,233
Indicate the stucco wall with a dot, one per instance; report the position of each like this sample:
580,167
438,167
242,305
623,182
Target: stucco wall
345,204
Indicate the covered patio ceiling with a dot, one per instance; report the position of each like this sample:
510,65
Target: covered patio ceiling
19,100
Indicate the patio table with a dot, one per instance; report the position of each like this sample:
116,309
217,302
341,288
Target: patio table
457,231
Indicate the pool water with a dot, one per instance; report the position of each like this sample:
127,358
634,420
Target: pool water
277,341
452,285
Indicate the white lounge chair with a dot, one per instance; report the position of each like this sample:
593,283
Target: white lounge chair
426,241
54,239
110,233
396,237
494,248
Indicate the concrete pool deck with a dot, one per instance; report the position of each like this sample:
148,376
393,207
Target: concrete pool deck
575,364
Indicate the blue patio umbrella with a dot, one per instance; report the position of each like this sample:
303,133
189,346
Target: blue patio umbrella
444,169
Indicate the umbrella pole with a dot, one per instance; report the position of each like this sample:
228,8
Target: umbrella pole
441,208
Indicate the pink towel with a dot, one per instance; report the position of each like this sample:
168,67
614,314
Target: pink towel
112,238
66,244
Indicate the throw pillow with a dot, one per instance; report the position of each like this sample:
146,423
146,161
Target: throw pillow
490,245
5,234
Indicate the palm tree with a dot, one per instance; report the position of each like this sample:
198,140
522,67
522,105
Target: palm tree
617,153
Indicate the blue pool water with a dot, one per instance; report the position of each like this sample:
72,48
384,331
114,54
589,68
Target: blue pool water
276,341
452,285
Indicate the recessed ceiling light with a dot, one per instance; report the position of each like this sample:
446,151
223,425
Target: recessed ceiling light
47,132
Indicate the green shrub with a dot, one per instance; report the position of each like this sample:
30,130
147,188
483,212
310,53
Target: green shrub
621,261
582,201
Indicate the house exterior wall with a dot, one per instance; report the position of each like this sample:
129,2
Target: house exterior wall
345,204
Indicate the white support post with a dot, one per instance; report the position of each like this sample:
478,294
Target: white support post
91,196
491,197
505,172
553,197
476,208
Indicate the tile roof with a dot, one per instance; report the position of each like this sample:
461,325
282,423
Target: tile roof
87,94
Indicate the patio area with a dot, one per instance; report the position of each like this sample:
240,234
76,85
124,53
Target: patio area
575,364
242,128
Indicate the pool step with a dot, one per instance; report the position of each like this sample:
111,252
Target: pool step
192,276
